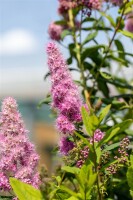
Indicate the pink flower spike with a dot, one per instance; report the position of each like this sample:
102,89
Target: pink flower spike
17,153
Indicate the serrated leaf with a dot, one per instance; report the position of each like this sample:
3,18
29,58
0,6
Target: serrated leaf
25,191
104,112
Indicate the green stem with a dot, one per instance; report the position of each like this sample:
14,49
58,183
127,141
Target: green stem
78,46
96,170
110,43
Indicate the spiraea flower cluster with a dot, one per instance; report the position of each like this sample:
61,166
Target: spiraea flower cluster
117,2
65,95
122,158
18,157
96,4
65,5
55,31
129,22
65,145
83,155
98,135
84,152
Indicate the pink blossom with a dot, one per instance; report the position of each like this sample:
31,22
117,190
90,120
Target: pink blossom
18,157
64,125
65,5
55,31
98,135
117,2
65,95
129,22
65,145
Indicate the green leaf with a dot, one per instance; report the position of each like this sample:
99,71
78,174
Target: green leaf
105,75
60,194
25,191
69,191
84,140
126,33
111,20
118,128
104,112
87,177
72,198
131,192
61,22
46,75
87,52
102,85
88,19
65,33
120,49
110,135
91,122
131,160
47,100
72,170
130,179
69,60
90,37
112,146
85,118
117,59
98,153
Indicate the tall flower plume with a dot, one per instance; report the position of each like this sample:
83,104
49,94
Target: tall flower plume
18,157
65,95
65,5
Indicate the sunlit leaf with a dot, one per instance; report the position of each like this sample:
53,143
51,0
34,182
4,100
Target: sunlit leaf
25,191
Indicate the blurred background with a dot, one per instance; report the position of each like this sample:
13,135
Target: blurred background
23,64
23,39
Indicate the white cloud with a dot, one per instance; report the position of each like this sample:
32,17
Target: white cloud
17,41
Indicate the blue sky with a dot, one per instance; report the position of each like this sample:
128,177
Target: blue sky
23,38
